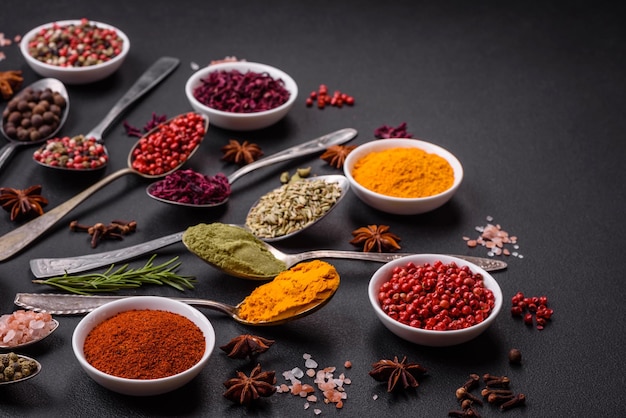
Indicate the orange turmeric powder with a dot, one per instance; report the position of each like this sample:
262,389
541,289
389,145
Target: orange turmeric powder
291,292
404,172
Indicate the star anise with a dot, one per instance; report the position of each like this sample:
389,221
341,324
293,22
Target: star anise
394,371
22,203
241,153
375,237
246,345
245,390
335,155
10,82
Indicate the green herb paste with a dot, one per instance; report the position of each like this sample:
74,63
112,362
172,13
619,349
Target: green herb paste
233,249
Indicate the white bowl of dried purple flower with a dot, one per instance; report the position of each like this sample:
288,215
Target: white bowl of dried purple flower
77,51
241,95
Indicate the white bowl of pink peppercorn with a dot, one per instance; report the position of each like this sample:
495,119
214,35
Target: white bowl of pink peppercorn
49,50
434,300
241,95
403,176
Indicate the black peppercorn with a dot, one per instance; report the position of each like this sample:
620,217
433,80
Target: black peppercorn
515,356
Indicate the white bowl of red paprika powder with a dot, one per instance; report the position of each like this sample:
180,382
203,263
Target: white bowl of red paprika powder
143,345
403,176
241,95
435,300
78,51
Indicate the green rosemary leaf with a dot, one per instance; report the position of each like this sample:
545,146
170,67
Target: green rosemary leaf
122,278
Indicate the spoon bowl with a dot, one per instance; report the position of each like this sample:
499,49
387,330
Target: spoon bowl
30,376
94,139
55,325
14,241
46,83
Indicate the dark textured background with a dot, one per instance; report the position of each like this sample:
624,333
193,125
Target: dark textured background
529,96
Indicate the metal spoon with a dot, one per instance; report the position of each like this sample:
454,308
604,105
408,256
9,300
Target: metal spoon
30,376
153,76
55,325
79,304
310,147
51,267
16,240
56,86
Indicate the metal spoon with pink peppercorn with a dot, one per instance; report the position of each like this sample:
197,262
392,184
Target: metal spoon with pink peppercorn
59,153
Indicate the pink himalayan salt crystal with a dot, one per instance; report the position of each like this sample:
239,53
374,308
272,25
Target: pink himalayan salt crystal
22,327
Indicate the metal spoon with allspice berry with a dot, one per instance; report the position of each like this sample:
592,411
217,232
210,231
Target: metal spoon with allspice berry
66,304
14,241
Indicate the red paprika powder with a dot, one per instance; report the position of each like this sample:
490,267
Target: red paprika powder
144,344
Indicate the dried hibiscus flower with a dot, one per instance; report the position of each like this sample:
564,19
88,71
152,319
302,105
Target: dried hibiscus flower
375,238
386,131
246,345
335,155
155,121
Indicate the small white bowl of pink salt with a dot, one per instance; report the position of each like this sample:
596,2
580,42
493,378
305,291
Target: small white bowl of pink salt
241,95
22,328
435,300
143,345
403,176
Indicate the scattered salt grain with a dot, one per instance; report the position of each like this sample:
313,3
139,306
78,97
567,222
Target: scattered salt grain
374,396
310,364
495,239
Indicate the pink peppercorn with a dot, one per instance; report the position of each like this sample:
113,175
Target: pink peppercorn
168,146
436,296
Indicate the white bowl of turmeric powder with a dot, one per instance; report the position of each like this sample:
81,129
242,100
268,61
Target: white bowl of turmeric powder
403,176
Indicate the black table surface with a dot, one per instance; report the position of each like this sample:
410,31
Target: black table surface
529,97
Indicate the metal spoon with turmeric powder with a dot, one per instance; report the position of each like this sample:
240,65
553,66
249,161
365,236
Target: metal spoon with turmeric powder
66,304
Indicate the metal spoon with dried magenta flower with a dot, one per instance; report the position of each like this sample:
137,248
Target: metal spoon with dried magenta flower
215,190
87,152
180,136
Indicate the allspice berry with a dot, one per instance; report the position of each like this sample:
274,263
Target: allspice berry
515,356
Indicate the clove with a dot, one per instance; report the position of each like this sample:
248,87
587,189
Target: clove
99,231
472,382
462,393
518,400
496,381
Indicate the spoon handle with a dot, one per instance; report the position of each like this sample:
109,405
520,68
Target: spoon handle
66,304
6,152
310,147
487,264
14,241
50,267
153,75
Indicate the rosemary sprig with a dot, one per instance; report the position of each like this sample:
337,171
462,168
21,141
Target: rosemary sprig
122,278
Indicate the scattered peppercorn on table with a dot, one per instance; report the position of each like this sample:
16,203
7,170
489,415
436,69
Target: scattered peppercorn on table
528,97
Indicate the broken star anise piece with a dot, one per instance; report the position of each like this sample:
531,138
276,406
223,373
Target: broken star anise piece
22,203
247,389
241,153
394,371
375,237
335,155
246,345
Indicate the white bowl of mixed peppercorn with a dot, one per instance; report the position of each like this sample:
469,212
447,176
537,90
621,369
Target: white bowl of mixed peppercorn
403,176
434,300
241,95
143,345
78,51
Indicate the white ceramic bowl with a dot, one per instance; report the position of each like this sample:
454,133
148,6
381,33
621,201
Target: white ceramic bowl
138,387
430,337
75,75
242,121
400,205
